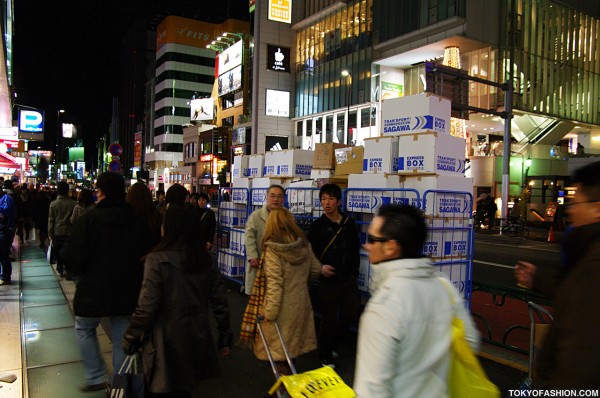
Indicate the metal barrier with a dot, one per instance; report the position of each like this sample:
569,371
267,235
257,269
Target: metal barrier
450,240
361,205
500,295
231,222
305,205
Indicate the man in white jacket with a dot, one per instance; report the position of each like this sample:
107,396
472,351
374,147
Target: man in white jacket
405,330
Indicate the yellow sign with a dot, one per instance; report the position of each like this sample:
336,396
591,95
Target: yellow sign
280,10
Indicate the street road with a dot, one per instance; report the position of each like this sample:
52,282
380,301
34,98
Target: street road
495,257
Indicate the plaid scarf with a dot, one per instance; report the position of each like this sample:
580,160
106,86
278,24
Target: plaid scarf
254,307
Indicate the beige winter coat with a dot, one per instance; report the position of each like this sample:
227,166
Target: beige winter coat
289,268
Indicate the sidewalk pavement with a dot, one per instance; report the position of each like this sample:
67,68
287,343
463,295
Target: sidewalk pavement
242,375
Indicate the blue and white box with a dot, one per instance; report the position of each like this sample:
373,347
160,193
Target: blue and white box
415,113
431,152
289,163
256,164
381,155
240,167
370,200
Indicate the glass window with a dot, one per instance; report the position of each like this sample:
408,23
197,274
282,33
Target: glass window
365,117
309,128
329,128
340,127
299,128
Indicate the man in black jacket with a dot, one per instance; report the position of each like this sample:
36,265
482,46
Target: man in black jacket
104,251
335,241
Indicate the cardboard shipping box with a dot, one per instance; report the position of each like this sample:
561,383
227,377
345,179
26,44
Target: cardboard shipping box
431,152
414,114
325,155
256,163
381,155
289,163
349,160
240,166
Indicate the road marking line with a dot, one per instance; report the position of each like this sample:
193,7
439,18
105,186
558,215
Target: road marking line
521,246
494,264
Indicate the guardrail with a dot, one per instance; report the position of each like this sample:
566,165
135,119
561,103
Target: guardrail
500,296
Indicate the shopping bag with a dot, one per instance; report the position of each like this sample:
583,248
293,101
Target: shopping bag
319,383
467,377
129,381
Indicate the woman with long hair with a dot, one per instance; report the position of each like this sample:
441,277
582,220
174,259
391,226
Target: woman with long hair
171,318
289,264
85,202
140,198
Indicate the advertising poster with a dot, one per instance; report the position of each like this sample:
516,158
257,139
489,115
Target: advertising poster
278,103
202,109
230,81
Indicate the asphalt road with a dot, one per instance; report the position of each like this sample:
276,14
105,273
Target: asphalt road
496,255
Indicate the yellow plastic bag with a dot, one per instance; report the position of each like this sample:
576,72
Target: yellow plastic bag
467,378
322,383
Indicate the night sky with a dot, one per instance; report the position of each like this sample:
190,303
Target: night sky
66,54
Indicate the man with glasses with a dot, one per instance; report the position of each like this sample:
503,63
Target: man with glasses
255,227
335,241
405,329
569,355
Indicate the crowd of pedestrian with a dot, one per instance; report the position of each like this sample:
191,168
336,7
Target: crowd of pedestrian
147,266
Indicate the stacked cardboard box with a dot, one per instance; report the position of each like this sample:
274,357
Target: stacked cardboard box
288,163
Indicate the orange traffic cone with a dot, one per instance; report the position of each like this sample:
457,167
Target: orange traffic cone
551,234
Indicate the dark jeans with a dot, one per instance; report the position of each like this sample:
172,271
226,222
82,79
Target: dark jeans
339,303
6,239
57,243
175,394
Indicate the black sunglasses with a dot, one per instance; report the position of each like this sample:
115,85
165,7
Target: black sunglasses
372,239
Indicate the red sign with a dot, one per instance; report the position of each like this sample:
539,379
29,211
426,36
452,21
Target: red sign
10,144
206,158
115,149
137,151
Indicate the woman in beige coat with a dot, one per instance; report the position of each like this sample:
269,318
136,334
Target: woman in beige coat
289,265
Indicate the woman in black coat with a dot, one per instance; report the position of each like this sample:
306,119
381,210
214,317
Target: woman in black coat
171,318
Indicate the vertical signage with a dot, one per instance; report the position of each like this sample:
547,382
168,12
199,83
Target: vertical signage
137,149
278,58
280,10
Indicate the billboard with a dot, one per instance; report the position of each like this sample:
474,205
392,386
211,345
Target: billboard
202,109
231,57
31,120
278,103
137,149
69,130
184,31
230,81
278,58
80,170
280,10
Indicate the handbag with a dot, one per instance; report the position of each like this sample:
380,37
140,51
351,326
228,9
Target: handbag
129,381
322,383
466,377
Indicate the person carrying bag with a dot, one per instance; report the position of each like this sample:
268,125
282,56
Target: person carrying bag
129,381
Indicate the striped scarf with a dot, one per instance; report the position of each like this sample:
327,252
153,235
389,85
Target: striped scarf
254,307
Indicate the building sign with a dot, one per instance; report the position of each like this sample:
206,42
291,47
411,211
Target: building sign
202,109
69,130
10,144
184,31
278,58
137,149
238,136
231,57
31,120
9,133
280,10
80,171
391,90
278,103
207,158
275,143
230,81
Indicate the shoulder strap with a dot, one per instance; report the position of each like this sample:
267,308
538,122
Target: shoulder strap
332,239
448,287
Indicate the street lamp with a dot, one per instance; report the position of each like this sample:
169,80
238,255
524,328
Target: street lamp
348,76
58,112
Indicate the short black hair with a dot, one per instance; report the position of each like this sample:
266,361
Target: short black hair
203,195
406,225
331,190
111,184
176,194
588,177
62,188
282,189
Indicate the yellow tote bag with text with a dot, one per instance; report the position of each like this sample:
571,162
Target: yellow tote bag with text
319,383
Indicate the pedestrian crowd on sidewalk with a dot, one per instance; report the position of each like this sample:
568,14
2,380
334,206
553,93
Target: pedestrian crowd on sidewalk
146,266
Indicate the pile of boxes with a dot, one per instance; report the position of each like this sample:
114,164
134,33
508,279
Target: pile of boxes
414,154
